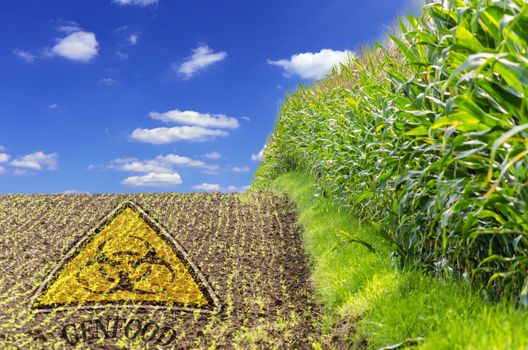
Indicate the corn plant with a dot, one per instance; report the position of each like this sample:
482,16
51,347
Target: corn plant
426,137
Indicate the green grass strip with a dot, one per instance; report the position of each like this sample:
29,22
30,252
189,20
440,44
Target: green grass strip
387,306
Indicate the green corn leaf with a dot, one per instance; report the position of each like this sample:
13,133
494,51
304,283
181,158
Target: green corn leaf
420,130
467,39
515,74
505,137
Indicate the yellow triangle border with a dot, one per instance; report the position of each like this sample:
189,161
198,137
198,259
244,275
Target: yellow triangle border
214,302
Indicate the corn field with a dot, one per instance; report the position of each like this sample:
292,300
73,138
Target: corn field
426,138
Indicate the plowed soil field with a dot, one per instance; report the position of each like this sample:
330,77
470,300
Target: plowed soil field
140,271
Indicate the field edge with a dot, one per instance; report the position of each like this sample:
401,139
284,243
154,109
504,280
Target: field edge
369,304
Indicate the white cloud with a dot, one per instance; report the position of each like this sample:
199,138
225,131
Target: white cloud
68,27
310,65
73,191
2,148
136,2
213,155
259,156
160,164
24,55
177,160
133,39
159,171
53,106
2,170
207,187
4,157
138,166
201,57
108,81
161,136
78,46
196,119
153,180
237,169
211,170
232,188
37,161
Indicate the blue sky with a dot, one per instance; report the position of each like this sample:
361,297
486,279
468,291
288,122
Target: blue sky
159,95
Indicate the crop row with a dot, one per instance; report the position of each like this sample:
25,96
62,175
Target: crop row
244,244
427,138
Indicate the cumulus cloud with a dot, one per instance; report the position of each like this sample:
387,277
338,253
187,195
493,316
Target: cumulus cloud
160,164
202,57
197,127
176,160
53,106
37,161
232,188
68,27
196,119
142,3
243,169
161,136
133,39
138,166
78,46
73,191
213,155
211,170
34,161
259,156
153,180
206,187
159,171
4,157
24,55
312,65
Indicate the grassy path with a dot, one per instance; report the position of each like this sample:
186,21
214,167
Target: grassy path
377,306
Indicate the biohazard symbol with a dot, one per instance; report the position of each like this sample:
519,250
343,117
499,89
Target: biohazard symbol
118,268
127,260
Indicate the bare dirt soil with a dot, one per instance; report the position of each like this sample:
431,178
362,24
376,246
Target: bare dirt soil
247,247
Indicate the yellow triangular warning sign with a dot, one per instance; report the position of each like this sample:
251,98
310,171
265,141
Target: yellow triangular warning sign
127,260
